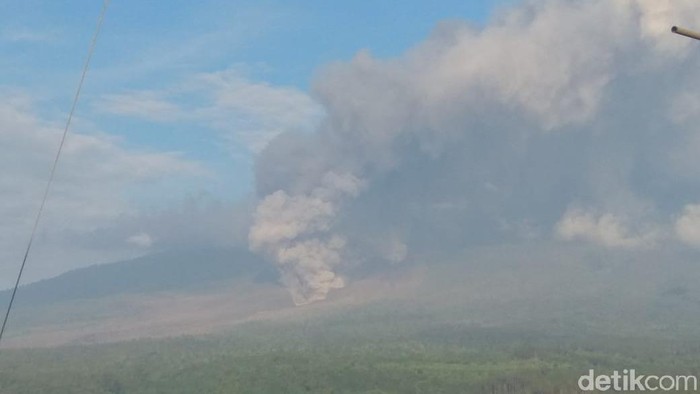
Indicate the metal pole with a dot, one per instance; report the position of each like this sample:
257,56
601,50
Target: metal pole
686,32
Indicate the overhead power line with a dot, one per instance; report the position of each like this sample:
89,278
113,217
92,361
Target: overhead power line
52,174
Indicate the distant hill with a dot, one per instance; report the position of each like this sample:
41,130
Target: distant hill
557,290
167,271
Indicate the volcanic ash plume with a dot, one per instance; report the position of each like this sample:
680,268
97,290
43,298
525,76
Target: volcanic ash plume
563,120
295,232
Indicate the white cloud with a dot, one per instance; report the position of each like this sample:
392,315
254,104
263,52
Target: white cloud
687,226
254,112
657,17
149,105
242,111
604,229
89,190
23,35
142,240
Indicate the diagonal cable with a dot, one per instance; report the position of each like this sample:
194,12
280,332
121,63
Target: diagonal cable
37,219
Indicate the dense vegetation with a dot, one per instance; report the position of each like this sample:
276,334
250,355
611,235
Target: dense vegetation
490,327
339,355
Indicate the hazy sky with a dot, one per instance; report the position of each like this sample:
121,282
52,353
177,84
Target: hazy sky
180,97
155,50
557,122
326,138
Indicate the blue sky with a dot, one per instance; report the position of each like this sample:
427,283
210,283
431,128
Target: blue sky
158,46
183,96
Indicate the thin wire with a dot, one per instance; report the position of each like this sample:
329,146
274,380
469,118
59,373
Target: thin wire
86,66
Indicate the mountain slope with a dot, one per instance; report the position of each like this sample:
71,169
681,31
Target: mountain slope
168,271
558,290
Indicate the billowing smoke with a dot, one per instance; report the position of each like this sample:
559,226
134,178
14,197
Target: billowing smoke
568,120
297,232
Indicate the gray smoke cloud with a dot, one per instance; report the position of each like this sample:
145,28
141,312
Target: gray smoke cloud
567,120
296,230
